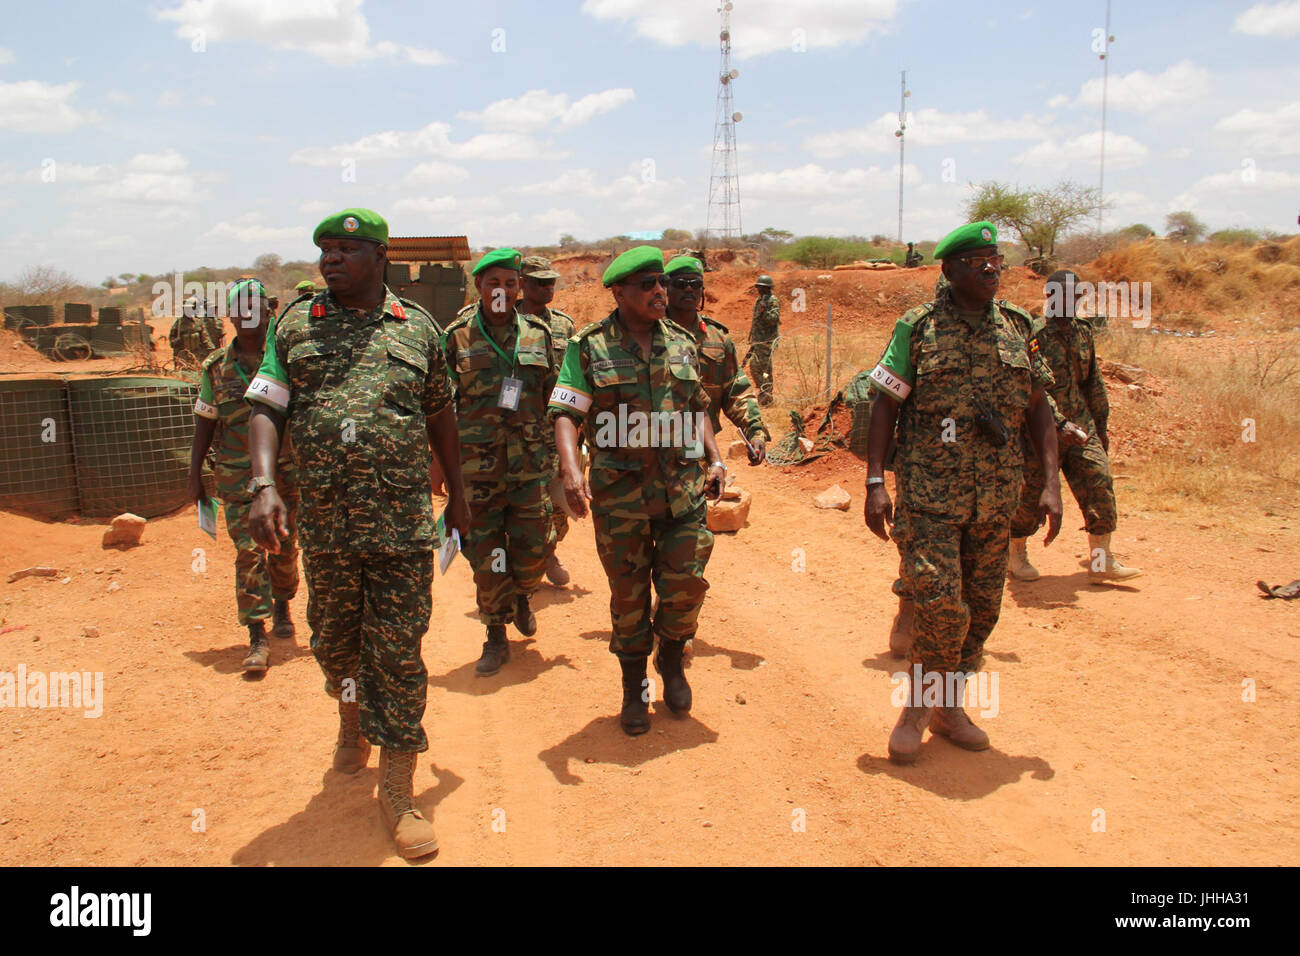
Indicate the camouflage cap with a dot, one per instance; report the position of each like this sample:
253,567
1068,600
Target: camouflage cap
355,223
636,259
538,267
684,264
502,258
973,235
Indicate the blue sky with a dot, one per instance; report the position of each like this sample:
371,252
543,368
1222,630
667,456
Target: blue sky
147,137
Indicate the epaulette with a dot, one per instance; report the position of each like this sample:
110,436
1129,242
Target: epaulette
466,309
461,320
213,357
302,298
677,328
536,320
594,327
710,320
416,307
912,316
562,313
1006,306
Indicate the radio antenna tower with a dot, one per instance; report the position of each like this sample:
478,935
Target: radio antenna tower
724,181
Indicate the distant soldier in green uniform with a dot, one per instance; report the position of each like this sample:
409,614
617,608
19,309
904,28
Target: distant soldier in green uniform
957,380
633,380
537,289
502,368
358,376
763,335
1067,345
192,336
264,584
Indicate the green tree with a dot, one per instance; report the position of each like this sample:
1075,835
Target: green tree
677,235
1183,225
1243,236
1038,217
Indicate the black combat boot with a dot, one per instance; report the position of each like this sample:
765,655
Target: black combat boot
635,716
259,650
525,620
281,623
668,662
496,651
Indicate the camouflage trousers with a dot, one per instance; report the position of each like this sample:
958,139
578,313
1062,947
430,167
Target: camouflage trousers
1087,470
760,368
668,553
261,577
510,536
955,574
368,614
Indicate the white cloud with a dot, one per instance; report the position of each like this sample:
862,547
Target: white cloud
334,30
1270,20
1122,152
811,181
436,171
631,191
70,173
1143,92
431,140
316,207
31,106
538,108
151,179
250,228
1268,132
761,26
927,127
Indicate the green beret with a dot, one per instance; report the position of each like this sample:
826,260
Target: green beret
634,260
684,264
306,285
249,287
353,224
504,258
973,235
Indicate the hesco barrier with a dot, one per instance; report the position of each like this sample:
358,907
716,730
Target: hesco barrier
120,444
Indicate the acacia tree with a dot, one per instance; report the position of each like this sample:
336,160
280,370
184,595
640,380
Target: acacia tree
1038,217
1183,225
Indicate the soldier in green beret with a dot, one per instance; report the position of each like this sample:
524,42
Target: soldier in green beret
502,369
358,376
764,332
958,378
264,583
632,379
536,290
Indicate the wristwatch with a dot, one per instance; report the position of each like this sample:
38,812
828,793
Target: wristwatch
258,483
717,464
875,481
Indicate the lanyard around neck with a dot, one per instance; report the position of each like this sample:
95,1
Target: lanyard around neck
519,334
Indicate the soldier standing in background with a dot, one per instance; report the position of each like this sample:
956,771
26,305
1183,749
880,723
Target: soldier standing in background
192,336
537,288
763,335
646,498
958,378
359,378
1069,349
502,370
264,584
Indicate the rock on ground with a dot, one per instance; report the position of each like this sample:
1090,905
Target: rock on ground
124,531
833,497
729,515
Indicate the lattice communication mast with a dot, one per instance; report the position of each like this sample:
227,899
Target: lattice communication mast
724,180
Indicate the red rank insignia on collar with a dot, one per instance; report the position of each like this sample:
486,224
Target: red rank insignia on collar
398,312
318,310
1033,346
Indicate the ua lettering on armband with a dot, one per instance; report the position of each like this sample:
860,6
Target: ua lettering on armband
268,392
565,397
204,410
887,381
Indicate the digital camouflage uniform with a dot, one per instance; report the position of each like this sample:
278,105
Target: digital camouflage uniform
506,458
259,577
193,337
356,388
763,334
956,496
562,329
1080,396
647,502
725,382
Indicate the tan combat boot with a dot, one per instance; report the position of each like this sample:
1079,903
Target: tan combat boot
352,750
1103,564
900,634
412,833
905,741
556,573
1019,565
952,722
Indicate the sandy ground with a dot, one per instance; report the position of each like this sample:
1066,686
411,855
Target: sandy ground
1124,700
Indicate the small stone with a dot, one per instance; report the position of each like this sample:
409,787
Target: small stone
66,581
737,449
740,698
590,760
835,498
157,623
99,570
708,823
89,630
114,586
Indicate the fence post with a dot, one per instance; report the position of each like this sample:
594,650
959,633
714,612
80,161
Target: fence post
828,349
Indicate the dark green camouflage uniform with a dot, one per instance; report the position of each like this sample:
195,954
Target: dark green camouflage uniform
193,338
763,333
506,458
647,502
727,385
357,388
1080,395
956,496
562,329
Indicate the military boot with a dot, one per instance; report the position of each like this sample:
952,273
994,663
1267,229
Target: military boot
351,750
1019,565
668,662
951,720
556,573
635,716
259,650
281,623
525,620
1104,564
496,651
905,740
412,833
900,634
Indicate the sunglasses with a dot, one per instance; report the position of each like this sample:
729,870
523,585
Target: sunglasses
977,262
646,283
680,282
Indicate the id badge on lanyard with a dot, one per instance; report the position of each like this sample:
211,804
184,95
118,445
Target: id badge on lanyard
510,389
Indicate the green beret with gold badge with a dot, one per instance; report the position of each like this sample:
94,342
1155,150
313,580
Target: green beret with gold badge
637,259
684,264
973,235
501,258
353,223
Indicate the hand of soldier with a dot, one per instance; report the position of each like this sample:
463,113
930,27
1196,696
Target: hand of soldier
1070,435
879,512
194,489
577,492
758,450
268,519
1049,507
715,481
458,516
